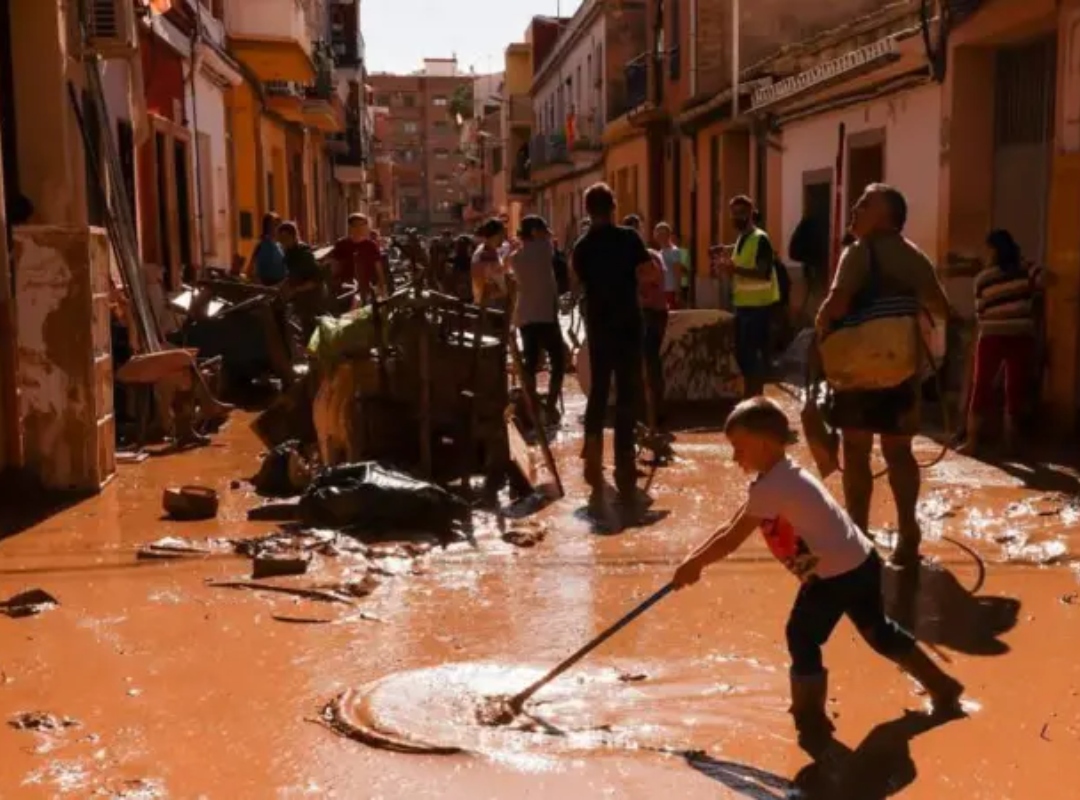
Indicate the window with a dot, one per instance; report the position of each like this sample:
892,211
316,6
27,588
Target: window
410,205
496,160
442,153
382,99
442,180
674,67
409,127
409,101
439,100
396,99
441,126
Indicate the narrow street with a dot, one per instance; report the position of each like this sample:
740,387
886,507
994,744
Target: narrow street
176,688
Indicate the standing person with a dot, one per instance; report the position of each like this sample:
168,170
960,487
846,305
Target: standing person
755,292
673,263
839,571
899,269
1005,310
536,313
357,259
607,260
654,313
461,268
488,270
305,286
688,270
267,264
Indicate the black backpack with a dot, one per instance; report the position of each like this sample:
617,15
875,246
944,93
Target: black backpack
561,265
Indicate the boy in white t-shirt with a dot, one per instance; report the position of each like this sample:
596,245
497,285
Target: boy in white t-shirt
839,570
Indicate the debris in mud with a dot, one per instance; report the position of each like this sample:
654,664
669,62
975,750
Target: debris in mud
525,534
278,565
28,604
42,722
371,496
190,503
281,511
284,472
172,547
1071,599
632,677
317,595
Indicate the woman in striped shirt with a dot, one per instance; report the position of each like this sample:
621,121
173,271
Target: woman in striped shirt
1005,309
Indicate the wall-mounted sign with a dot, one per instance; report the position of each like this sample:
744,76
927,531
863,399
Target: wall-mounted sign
883,50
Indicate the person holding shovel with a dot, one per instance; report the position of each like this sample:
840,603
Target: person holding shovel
654,312
839,571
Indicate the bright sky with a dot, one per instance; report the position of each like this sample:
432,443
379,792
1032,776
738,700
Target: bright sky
399,34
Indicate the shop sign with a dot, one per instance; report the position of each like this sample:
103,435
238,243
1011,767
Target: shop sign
883,50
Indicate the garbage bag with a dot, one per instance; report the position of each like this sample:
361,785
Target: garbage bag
373,496
353,334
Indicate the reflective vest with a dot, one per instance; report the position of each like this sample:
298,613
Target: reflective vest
753,292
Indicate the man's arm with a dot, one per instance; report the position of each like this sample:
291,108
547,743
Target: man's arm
717,547
763,263
851,274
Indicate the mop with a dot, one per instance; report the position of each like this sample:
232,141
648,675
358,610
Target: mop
502,710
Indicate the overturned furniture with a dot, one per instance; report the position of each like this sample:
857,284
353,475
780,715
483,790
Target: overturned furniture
419,381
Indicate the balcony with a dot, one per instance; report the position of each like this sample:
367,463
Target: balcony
548,150
521,111
636,73
322,107
520,181
286,99
271,37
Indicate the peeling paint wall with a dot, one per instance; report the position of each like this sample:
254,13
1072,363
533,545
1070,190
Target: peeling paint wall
65,363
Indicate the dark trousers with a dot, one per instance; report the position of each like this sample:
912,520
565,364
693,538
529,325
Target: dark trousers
752,334
656,322
821,603
618,356
546,337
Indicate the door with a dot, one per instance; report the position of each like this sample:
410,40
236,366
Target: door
866,164
817,205
184,228
1023,124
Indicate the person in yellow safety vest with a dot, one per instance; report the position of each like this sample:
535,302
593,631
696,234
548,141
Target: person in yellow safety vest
755,291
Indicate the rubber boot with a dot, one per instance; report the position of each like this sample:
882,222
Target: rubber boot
1009,439
808,696
944,690
592,452
626,476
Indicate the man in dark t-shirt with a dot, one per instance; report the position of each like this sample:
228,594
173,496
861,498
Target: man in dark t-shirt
606,261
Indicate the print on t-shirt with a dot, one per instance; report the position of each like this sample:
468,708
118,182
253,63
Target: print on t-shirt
789,549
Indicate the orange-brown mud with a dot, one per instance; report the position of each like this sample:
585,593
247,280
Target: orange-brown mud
154,678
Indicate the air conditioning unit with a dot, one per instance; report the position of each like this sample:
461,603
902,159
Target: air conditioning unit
111,28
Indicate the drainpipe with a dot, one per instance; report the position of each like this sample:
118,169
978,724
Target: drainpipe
196,62
735,26
693,48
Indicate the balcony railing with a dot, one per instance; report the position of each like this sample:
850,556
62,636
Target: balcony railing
548,149
284,89
520,180
281,20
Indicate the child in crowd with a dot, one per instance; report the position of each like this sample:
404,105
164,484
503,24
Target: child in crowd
839,570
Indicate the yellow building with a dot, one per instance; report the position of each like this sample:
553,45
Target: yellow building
279,119
511,184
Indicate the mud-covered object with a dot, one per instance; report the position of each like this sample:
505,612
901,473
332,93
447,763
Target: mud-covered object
373,496
284,471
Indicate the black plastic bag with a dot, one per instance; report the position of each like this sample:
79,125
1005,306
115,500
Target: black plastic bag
373,496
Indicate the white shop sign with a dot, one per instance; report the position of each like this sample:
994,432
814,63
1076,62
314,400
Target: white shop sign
885,49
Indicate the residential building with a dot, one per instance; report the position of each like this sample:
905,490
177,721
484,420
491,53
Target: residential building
352,164
511,187
482,146
281,116
385,206
425,140
576,91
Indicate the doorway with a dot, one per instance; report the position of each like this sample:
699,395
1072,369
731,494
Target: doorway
817,206
1024,88
866,163
183,207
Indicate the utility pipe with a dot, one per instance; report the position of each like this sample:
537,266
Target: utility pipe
735,57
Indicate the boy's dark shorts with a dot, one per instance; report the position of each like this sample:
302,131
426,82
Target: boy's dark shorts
893,412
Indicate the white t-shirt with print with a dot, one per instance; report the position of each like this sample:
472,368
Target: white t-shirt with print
804,527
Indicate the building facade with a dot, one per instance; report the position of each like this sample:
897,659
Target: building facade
425,140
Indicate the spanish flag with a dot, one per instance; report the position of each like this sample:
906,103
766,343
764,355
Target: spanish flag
160,6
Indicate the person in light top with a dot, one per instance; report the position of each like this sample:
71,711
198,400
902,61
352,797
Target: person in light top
838,569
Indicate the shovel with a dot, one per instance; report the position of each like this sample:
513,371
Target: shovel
503,710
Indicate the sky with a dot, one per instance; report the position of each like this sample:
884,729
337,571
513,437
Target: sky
399,34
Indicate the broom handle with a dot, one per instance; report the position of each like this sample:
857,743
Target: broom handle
519,699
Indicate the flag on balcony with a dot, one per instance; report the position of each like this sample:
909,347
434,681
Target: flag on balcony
160,6
571,129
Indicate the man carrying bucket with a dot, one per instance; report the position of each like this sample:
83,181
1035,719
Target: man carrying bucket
881,262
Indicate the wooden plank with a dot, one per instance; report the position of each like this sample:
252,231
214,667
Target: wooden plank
521,453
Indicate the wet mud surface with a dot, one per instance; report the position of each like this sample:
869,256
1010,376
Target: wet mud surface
160,666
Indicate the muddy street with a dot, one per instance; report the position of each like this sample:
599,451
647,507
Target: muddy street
149,679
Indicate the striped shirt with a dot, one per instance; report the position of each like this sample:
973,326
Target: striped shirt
1005,302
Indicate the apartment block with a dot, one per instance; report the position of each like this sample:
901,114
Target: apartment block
425,140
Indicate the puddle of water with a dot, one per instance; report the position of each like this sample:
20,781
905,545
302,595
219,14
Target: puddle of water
643,708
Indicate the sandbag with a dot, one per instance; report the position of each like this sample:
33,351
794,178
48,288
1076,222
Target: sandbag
373,496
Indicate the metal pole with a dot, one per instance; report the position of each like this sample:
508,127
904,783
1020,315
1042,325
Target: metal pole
735,26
